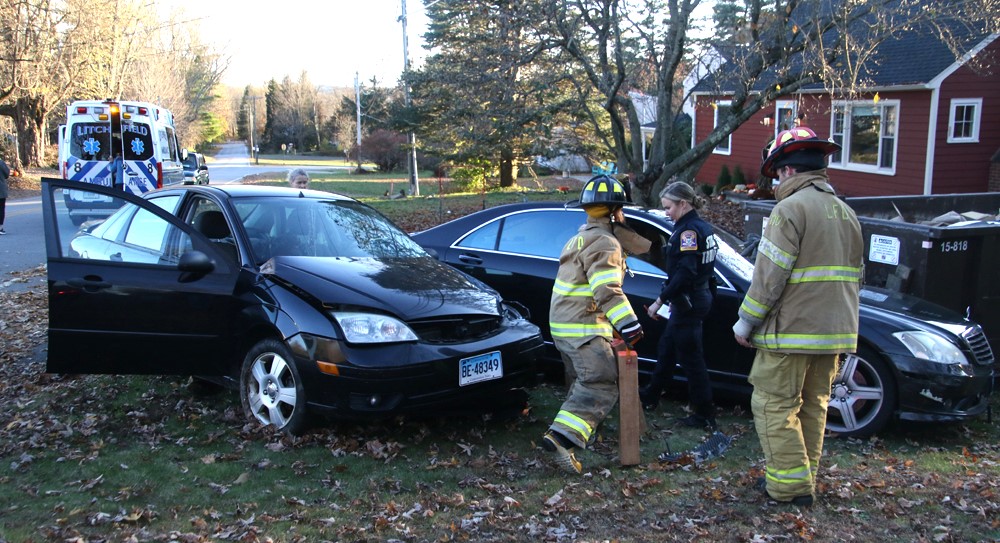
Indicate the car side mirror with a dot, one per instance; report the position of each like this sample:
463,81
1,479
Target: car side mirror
194,264
203,168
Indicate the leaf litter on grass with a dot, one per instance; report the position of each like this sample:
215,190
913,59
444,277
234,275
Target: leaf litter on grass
430,479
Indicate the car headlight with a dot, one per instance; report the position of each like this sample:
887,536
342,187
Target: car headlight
514,311
930,346
372,328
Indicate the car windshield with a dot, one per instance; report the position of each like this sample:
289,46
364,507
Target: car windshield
323,228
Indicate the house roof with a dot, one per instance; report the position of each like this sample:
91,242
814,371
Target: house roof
914,58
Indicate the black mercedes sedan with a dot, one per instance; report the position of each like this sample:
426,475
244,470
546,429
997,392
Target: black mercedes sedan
307,302
915,360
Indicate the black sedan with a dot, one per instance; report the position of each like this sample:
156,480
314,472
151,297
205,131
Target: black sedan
915,360
306,301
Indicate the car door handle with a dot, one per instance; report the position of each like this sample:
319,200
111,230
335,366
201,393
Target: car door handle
89,283
470,259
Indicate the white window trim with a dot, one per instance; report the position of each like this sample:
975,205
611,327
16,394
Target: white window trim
715,122
864,168
976,121
783,104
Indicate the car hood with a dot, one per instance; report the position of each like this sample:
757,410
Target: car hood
912,312
409,288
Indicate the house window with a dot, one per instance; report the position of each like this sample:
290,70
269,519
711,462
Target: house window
722,112
963,123
784,115
866,131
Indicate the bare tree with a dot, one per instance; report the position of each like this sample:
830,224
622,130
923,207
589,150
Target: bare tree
33,74
783,46
52,51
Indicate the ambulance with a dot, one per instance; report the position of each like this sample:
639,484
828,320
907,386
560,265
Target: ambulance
117,143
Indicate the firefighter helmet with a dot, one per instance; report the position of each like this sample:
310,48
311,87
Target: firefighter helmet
603,190
787,148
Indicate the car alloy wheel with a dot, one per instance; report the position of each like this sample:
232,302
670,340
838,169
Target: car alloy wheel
863,395
271,390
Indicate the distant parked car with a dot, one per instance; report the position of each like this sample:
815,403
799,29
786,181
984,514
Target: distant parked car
915,360
195,169
305,301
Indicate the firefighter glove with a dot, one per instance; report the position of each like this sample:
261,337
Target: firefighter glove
632,333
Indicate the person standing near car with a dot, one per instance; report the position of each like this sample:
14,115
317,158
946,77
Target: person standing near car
4,176
690,260
587,308
298,179
800,312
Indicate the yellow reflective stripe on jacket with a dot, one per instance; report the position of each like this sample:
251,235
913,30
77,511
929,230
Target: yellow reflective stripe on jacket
563,288
782,259
570,420
789,476
605,277
576,329
620,312
825,273
753,307
847,341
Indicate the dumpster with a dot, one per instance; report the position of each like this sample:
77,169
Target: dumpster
942,248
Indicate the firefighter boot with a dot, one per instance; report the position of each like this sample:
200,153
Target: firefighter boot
562,452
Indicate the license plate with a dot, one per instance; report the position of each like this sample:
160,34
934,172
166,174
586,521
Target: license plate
82,196
484,367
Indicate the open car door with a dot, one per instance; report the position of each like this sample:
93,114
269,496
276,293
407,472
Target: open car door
139,292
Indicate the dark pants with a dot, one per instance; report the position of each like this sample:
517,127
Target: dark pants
681,343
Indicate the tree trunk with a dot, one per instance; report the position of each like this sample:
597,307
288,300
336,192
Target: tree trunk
29,121
506,169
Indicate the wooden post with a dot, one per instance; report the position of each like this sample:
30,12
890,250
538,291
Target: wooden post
631,422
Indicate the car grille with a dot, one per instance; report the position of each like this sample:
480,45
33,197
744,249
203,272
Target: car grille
455,330
979,345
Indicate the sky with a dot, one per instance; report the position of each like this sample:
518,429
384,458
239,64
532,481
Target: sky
330,40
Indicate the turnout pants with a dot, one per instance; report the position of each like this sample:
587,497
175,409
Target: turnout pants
791,393
593,391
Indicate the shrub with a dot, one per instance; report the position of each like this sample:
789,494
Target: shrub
472,175
725,178
385,149
738,177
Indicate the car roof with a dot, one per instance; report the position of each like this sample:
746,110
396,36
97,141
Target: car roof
243,191
634,210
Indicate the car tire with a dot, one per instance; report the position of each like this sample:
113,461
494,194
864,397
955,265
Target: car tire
78,219
271,389
863,395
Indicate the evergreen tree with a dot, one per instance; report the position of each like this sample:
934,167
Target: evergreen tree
270,110
492,88
243,116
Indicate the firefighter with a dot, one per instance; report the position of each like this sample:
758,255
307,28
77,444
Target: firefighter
587,308
800,312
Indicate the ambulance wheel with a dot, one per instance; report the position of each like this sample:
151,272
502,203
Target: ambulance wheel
863,395
271,389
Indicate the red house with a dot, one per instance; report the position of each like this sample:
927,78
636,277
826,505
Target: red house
927,125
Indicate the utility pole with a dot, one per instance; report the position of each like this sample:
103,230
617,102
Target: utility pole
357,107
411,138
253,113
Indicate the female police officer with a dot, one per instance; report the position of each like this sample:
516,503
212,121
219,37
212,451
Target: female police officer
690,256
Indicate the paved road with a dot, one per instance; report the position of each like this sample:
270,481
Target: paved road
23,248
